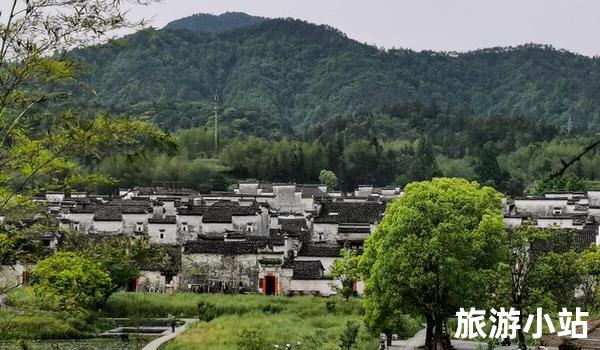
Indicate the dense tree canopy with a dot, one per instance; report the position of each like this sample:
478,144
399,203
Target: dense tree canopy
289,72
438,248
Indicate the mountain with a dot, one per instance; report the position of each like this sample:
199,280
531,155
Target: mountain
283,76
204,22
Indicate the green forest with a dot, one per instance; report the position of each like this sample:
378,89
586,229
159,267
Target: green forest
294,98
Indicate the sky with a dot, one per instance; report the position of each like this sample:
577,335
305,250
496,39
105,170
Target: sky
441,25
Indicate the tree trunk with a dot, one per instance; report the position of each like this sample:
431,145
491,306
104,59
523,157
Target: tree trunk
429,332
438,339
520,334
388,339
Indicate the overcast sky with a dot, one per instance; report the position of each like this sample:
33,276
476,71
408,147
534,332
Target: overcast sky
452,25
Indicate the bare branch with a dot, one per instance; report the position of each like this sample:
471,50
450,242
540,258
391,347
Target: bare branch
566,164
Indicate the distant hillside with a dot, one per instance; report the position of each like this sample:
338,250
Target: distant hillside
281,76
203,22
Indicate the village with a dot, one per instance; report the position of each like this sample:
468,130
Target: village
272,239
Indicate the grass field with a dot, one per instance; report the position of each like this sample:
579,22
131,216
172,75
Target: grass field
308,320
229,321
316,322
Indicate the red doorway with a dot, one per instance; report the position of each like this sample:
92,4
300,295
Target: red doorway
270,283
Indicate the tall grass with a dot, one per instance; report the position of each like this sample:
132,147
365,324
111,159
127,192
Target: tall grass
316,322
48,325
27,319
309,320
186,304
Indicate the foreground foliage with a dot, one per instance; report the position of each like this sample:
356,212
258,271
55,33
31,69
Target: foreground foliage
68,281
438,247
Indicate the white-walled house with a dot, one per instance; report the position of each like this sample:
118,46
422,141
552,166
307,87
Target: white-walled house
163,229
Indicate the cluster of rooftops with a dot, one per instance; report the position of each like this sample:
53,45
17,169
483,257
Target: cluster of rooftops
298,227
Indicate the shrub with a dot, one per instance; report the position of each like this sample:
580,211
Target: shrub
68,281
349,336
207,311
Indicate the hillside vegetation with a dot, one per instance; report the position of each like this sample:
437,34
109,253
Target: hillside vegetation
294,98
286,74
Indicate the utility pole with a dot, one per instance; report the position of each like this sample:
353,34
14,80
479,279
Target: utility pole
216,108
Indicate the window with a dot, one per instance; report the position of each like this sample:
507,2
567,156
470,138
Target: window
162,236
557,210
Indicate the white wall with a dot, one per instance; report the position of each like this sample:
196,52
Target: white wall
108,226
539,205
557,222
329,232
324,287
155,280
199,268
86,220
169,234
130,221
216,227
240,223
513,222
194,222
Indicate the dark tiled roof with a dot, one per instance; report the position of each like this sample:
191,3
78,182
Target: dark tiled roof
362,228
83,209
192,210
308,270
587,235
168,219
131,202
270,261
312,191
223,247
265,187
223,213
136,209
107,213
335,213
234,235
272,241
293,226
320,250
563,240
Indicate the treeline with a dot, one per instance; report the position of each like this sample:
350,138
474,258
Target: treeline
405,143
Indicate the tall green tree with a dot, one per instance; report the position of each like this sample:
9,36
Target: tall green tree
439,247
487,169
424,165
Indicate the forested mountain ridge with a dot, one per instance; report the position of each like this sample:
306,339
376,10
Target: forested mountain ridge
282,75
204,22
